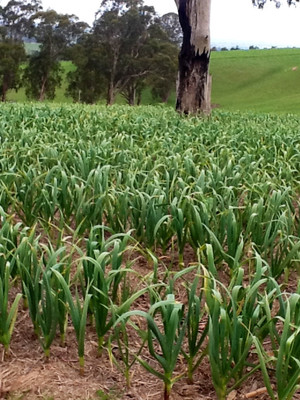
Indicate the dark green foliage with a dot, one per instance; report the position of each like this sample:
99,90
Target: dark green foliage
54,32
171,25
12,53
13,26
15,17
125,51
86,83
42,76
123,35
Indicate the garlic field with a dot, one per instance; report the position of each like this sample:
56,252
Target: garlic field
210,207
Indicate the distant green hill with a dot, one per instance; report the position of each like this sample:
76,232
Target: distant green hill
258,80
31,48
254,80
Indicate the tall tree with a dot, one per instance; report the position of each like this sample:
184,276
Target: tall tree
162,57
54,32
14,25
12,54
42,76
171,25
155,66
163,79
126,47
16,15
122,29
86,83
194,80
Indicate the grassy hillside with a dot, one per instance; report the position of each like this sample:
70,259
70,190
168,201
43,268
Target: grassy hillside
254,80
31,48
257,80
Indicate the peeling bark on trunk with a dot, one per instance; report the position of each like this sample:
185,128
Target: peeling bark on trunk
194,81
131,95
165,98
110,94
43,90
112,87
4,92
139,98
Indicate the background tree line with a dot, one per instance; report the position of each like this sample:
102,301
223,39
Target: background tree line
127,49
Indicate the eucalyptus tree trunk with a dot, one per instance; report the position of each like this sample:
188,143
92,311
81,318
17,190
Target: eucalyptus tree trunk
4,91
111,86
194,80
43,89
110,94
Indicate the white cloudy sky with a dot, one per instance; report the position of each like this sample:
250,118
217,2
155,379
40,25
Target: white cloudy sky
234,22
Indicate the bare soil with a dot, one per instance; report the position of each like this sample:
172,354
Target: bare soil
26,374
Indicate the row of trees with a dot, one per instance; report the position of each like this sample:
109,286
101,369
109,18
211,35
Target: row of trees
128,47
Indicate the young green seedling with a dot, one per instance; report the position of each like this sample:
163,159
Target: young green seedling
47,317
169,340
7,316
196,314
78,313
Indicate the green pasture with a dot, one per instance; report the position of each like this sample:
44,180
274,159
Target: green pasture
31,48
257,80
253,80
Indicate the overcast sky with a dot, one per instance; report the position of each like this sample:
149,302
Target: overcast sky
233,22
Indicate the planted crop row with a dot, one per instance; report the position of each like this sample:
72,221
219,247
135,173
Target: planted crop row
236,320
83,190
229,182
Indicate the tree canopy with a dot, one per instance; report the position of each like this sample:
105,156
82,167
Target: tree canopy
129,47
261,3
15,17
12,53
54,32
